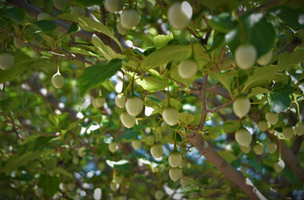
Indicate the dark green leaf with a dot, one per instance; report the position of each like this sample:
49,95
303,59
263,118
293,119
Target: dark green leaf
46,26
222,22
291,17
49,184
278,101
14,13
73,28
152,84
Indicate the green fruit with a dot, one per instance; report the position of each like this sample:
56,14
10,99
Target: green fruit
39,192
3,95
185,181
136,144
157,150
121,30
175,173
99,101
288,132
75,160
114,5
182,164
81,152
127,120
258,149
120,100
114,186
241,106
78,11
263,125
272,147
175,159
299,128
71,186
113,147
179,15
6,61
118,179
279,165
44,16
171,116
60,4
187,68
243,137
129,18
57,80
159,194
245,149
265,59
101,166
245,56
134,106
18,43
272,118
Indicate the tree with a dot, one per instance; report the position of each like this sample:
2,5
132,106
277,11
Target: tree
151,99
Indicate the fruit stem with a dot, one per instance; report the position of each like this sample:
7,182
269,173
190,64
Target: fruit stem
132,85
174,141
298,109
168,93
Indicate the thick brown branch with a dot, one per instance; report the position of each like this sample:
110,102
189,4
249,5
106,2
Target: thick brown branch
204,103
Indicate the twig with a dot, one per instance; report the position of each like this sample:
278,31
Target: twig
213,110
204,104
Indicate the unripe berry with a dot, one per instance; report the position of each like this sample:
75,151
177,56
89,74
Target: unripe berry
127,120
57,80
120,100
299,128
288,132
75,160
171,116
258,149
187,68
175,158
159,194
245,56
245,149
265,59
241,106
134,106
114,5
136,144
175,173
129,18
243,137
185,181
99,101
71,186
121,30
272,147
113,147
118,179
157,150
263,125
114,186
18,43
60,4
179,15
279,165
39,192
43,16
272,118
81,152
6,61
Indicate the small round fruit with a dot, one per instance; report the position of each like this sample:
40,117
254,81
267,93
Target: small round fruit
60,4
179,14
245,149
187,68
175,173
71,186
157,150
279,165
175,158
136,144
272,147
243,137
18,43
288,132
57,80
3,95
127,120
120,100
75,160
265,59
258,149
171,116
299,128
272,118
114,5
185,181
113,147
159,194
182,164
6,61
245,56
78,11
121,30
118,179
263,125
81,152
99,101
39,192
134,106
129,18
241,106
114,186
44,16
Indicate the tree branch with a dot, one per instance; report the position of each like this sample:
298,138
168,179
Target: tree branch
204,103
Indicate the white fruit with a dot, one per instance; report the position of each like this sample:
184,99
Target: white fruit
134,106
113,147
187,68
157,150
272,118
118,179
245,56
114,186
288,132
39,192
245,149
6,61
114,5
185,181
99,101
175,159
78,11
175,173
263,125
299,128
243,137
136,144
279,165
18,43
258,149
129,18
171,116
81,152
179,15
57,80
121,30
3,95
43,16
127,120
159,194
120,100
272,147
265,59
60,4
241,106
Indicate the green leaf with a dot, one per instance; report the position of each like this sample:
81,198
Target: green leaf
161,41
291,17
14,13
73,28
231,126
86,3
186,118
152,84
127,135
153,104
278,101
222,22
103,49
49,40
173,103
286,59
49,184
228,156
64,172
225,79
218,41
256,91
46,26
96,74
